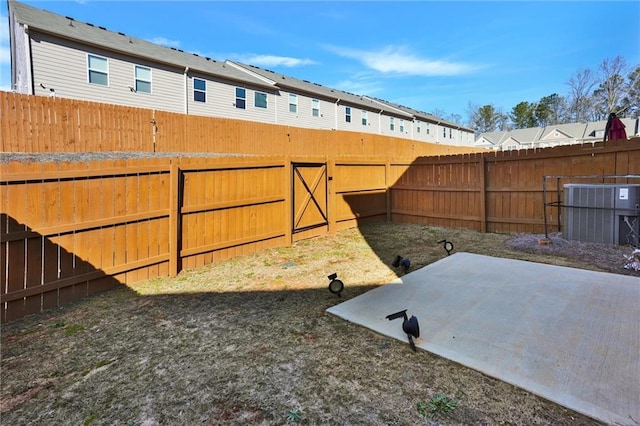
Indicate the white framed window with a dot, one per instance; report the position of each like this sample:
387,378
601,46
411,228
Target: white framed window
347,114
143,79
365,119
260,100
241,98
428,129
444,132
199,90
417,127
293,102
97,70
392,124
315,107
401,126
450,134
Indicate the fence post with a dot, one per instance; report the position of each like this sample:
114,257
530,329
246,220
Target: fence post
331,195
174,219
387,188
483,194
288,201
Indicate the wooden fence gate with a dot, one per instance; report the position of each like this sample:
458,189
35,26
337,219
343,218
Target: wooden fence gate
309,200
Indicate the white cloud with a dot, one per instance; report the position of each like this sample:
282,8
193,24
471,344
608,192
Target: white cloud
163,41
275,61
361,83
398,60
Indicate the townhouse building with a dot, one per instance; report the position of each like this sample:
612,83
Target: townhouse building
552,135
55,55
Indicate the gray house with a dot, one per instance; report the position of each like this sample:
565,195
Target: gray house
55,55
553,135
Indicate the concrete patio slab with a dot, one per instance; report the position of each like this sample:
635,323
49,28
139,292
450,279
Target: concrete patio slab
568,335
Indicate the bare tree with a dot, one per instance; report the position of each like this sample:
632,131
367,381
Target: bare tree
579,98
612,89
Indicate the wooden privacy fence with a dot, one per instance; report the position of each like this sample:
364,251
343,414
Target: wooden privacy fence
502,192
69,230
38,124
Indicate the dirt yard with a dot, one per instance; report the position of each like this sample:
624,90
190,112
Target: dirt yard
248,341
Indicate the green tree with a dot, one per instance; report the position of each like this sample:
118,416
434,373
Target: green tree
630,106
487,119
522,115
550,110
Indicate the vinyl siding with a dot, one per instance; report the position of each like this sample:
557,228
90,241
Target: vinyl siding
220,101
354,125
303,117
62,65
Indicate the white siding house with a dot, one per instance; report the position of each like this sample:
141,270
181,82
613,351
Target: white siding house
54,55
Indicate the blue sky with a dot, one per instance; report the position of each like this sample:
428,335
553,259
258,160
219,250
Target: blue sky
428,55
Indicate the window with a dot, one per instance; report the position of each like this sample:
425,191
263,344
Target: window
315,107
450,134
347,114
241,98
417,127
293,102
391,124
98,69
444,132
199,90
260,100
143,79
401,126
428,129
364,117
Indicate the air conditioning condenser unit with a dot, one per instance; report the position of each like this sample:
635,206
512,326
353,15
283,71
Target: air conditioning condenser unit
602,213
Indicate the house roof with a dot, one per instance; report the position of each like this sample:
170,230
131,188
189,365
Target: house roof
425,116
306,86
90,34
565,131
524,136
494,137
69,28
569,132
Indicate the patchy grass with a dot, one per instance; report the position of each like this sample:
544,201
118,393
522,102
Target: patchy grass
248,341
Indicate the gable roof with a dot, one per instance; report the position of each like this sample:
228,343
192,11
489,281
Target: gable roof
494,137
524,136
563,131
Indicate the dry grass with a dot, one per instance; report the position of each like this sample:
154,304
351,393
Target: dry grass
248,341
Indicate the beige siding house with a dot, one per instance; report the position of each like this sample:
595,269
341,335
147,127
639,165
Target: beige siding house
554,135
55,55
